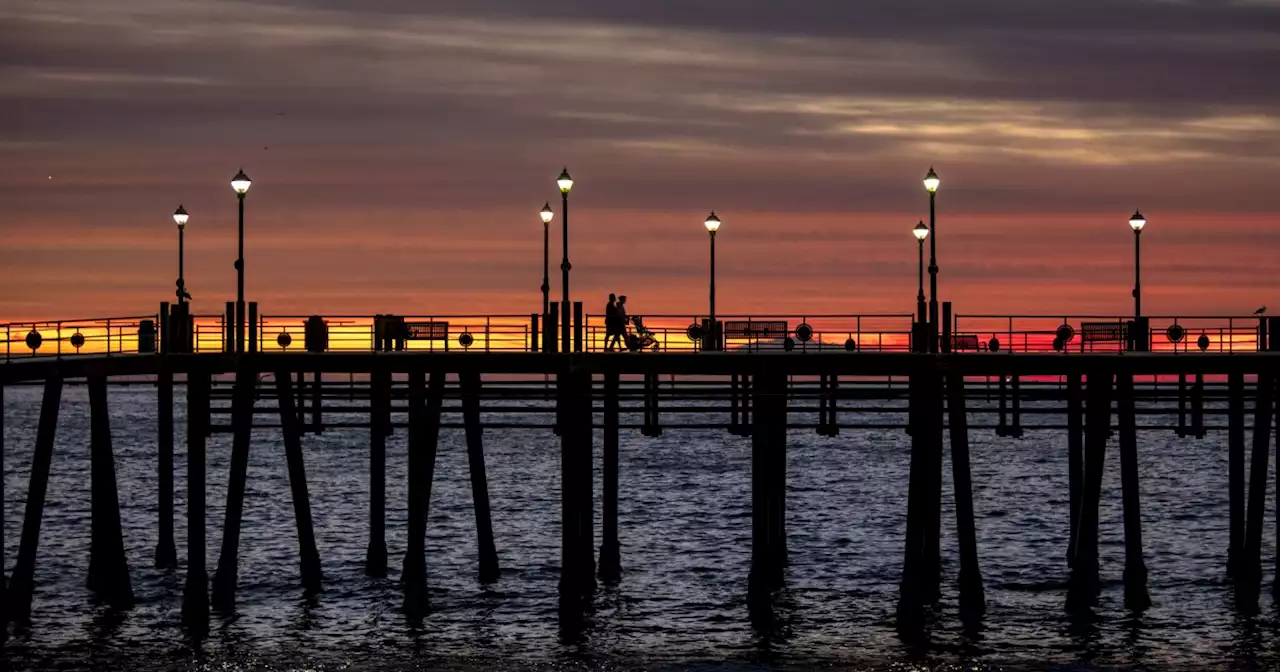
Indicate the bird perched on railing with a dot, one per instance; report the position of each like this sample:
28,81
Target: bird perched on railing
1260,310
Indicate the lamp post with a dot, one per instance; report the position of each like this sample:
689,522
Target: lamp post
1136,222
931,183
546,215
180,218
566,184
712,337
920,232
240,183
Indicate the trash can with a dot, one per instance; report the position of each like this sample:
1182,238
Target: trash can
316,334
146,336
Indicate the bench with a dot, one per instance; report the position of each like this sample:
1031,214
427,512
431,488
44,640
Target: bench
428,331
755,331
961,342
1102,332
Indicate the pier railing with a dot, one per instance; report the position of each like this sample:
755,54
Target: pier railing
794,333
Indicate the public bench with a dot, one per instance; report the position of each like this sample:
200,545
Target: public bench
428,331
753,331
1102,332
961,342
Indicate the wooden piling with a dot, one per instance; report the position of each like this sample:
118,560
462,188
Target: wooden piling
227,574
375,559
424,435
1182,405
108,568
470,384
317,420
584,462
21,585
291,429
1002,425
768,483
652,423
166,552
972,597
1197,406
1235,469
931,563
4,576
1249,569
734,421
1016,402
1075,456
1136,597
1084,569
610,552
577,552
833,392
195,592
909,598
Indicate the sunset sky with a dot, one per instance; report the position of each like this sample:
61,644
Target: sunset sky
401,149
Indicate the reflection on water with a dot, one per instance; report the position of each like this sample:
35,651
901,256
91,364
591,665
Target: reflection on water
685,532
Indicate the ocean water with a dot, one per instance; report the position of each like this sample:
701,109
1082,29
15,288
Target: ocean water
685,531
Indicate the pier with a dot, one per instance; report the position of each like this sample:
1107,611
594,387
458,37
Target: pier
814,374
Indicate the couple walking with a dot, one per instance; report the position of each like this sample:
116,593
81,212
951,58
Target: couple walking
615,323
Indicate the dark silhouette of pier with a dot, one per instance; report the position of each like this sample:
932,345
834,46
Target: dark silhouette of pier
758,395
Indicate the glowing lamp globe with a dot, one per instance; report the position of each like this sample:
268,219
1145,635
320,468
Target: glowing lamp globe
1137,221
180,217
240,183
920,231
931,181
564,181
712,223
546,213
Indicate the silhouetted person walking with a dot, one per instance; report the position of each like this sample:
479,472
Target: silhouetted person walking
612,325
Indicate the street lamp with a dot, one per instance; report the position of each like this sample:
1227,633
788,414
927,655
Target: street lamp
920,232
713,224
546,215
931,183
240,183
180,218
1136,222
566,184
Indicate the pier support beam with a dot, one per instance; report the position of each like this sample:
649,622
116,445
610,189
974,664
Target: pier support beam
931,556
972,597
1197,406
610,552
195,592
1075,456
108,569
470,384
166,552
375,558
909,589
227,574
577,551
424,435
292,431
1015,400
1235,469
1083,587
4,575
22,585
1136,597
1249,569
768,483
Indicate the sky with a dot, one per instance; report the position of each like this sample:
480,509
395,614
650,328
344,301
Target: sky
400,151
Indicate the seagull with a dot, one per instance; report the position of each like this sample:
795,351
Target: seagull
1260,310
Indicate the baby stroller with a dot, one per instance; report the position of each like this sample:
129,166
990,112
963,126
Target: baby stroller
643,339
